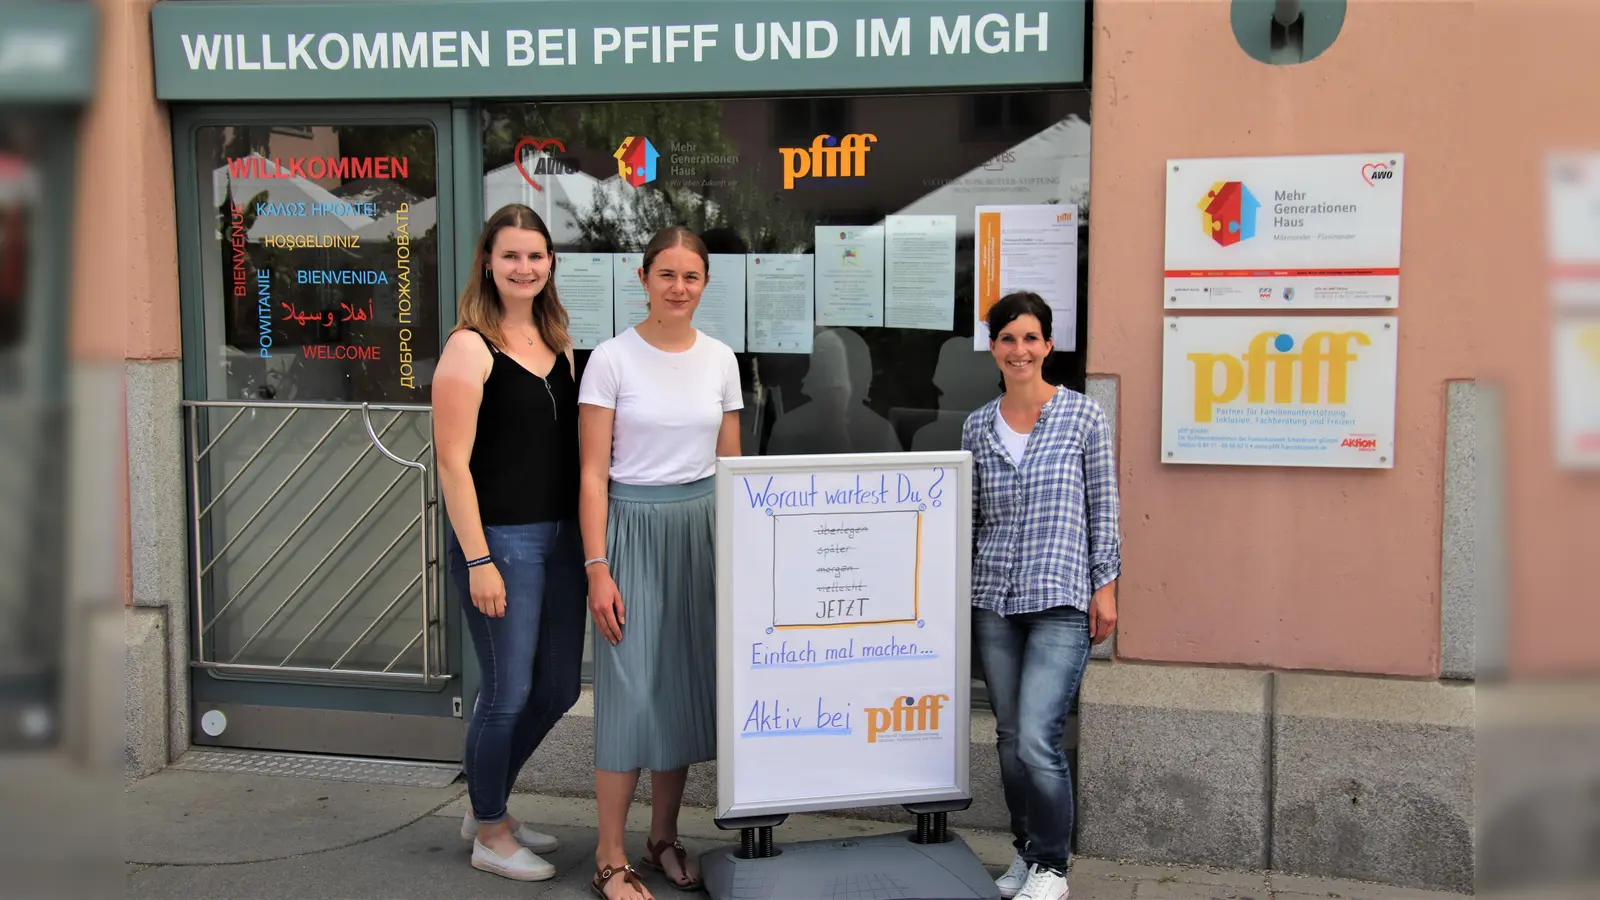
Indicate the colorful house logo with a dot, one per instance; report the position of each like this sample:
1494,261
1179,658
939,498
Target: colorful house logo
636,161
1228,212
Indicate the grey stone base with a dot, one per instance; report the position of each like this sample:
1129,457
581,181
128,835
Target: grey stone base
1344,777
144,711
1172,765
158,528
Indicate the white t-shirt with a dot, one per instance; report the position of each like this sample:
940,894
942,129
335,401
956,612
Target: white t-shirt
1013,442
669,406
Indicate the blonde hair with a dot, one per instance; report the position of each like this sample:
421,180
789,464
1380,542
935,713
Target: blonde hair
480,308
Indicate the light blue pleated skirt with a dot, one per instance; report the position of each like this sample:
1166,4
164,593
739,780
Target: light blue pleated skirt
655,700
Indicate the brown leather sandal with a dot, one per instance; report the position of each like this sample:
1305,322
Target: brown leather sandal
629,874
653,860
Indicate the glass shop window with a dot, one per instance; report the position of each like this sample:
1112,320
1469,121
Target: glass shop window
842,233
319,261
21,194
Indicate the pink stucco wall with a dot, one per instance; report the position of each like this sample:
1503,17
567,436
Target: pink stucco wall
125,261
127,128
1540,96
1333,570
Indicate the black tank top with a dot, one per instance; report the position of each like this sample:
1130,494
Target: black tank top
525,455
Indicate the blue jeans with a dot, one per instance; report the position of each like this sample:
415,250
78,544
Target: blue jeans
531,659
1033,664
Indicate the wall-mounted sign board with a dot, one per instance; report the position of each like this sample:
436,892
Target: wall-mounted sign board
1279,390
49,52
1284,232
457,49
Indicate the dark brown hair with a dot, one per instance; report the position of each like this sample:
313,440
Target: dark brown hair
676,236
1014,306
480,308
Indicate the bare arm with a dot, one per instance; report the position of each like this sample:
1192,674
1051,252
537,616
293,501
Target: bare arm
594,479
457,392
594,492
728,435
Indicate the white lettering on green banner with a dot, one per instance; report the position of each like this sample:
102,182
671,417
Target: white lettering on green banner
259,51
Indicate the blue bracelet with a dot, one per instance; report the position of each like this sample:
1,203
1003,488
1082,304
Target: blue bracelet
480,561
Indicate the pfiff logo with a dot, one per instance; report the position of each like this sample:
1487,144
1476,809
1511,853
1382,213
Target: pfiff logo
906,719
827,157
1269,369
1228,213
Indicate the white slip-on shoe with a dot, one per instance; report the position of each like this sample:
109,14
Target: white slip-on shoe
1011,882
522,865
536,841
1044,884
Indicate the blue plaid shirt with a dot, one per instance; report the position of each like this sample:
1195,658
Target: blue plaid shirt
1045,533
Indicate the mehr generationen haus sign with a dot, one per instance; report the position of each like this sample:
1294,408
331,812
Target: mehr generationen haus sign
218,50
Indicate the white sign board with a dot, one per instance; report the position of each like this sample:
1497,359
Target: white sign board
1279,390
843,615
1576,363
1281,232
1573,228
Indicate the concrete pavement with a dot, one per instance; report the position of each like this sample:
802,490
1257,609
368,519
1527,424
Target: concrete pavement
240,837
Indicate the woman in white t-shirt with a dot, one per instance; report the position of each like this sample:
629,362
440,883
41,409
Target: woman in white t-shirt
659,403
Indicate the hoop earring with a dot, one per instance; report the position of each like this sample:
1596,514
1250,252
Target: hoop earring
487,274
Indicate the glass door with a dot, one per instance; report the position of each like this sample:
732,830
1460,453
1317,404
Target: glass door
315,247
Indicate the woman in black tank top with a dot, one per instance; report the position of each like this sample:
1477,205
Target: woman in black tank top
505,406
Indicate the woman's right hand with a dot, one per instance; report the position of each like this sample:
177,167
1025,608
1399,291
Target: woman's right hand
488,590
605,604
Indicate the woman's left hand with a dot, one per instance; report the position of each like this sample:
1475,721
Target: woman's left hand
1103,613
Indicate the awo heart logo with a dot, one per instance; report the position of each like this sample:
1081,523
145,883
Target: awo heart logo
1372,172
538,145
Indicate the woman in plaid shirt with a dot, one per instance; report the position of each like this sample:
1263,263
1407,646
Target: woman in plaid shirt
1046,557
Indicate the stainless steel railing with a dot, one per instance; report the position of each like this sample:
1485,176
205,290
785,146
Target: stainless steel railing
418,598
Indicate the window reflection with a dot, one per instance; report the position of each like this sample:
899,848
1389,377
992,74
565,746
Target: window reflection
718,169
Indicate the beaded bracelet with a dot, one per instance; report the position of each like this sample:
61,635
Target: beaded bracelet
480,561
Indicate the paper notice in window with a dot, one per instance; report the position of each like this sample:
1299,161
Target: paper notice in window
1027,248
849,275
584,281
920,272
779,286
632,302
722,304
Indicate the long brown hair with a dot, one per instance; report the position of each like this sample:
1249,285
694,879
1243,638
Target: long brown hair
480,308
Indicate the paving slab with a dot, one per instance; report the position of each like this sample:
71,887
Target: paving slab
238,837
196,818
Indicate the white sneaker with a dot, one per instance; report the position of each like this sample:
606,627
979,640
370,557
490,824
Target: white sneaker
522,865
527,837
1044,884
1011,882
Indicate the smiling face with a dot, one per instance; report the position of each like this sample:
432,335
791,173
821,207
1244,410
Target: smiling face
676,278
1020,348
520,263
